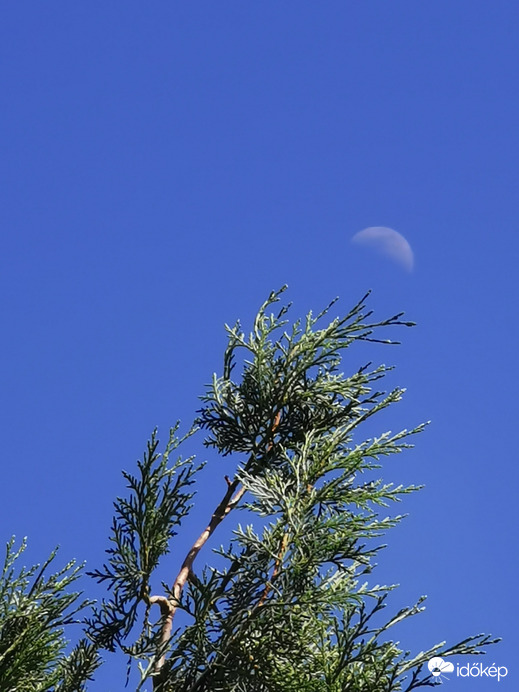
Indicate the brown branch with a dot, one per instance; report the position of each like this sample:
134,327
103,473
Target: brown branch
275,570
168,606
275,425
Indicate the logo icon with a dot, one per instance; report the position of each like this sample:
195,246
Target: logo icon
438,667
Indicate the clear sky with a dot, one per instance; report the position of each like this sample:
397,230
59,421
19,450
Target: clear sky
166,165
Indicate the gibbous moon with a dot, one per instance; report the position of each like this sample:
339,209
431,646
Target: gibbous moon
387,242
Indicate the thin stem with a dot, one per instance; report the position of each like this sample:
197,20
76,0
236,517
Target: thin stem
168,606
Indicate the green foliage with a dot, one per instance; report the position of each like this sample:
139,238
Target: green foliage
35,609
292,607
142,529
296,376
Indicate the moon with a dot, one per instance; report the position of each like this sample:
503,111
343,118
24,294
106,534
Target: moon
387,242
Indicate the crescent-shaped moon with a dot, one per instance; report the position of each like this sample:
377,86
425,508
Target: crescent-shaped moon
388,242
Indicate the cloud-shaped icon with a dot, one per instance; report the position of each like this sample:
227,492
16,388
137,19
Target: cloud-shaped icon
437,666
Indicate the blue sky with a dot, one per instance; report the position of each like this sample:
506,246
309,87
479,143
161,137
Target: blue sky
165,166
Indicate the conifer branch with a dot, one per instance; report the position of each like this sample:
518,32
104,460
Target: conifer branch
289,610
168,606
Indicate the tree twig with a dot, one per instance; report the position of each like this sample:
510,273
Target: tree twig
168,606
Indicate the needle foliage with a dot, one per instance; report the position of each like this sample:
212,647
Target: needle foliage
35,610
292,605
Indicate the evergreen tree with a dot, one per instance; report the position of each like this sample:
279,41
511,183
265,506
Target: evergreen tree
35,609
293,608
